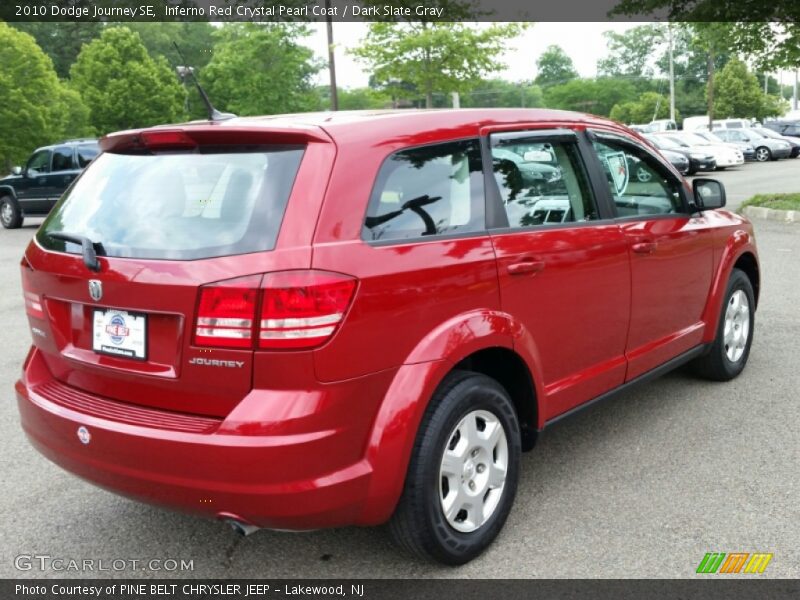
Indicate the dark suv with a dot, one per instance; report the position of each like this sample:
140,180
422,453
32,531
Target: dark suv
325,320
33,190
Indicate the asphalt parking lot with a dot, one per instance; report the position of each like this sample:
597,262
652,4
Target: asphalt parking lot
640,486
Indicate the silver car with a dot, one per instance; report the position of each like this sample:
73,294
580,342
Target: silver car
766,148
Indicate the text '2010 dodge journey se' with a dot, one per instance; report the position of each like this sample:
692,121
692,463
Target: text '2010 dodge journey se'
312,321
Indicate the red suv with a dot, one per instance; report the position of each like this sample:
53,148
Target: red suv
325,320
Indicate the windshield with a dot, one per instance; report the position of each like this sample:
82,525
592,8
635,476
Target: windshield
770,134
710,137
181,206
694,140
662,142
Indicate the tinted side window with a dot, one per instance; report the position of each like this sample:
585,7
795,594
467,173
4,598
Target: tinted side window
86,154
432,190
39,163
541,182
62,159
639,185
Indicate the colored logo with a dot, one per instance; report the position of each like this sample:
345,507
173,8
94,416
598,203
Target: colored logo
116,330
735,562
95,289
83,435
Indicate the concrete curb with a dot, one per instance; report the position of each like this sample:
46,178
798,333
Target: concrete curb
771,214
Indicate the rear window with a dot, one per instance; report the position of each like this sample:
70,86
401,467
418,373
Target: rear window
181,206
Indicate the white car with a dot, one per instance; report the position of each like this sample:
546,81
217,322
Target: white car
725,154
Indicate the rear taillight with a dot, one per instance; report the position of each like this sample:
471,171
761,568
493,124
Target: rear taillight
33,305
299,309
33,301
226,312
302,309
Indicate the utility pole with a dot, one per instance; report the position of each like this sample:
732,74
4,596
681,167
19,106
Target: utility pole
794,96
331,58
671,76
456,100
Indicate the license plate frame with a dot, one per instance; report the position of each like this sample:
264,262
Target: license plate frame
130,341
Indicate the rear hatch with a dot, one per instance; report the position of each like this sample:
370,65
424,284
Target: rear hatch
169,214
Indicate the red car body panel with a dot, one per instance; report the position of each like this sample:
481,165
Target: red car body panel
314,438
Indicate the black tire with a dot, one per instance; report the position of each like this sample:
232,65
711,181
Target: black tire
10,213
763,154
716,364
419,524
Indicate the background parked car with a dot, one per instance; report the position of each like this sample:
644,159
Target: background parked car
766,148
793,142
746,148
33,190
788,128
699,158
724,155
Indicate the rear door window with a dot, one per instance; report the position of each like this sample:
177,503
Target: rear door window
179,206
541,182
427,191
62,159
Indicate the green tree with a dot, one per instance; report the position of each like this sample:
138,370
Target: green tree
362,98
632,53
37,108
597,96
554,67
261,69
123,86
648,107
499,93
433,56
737,93
62,41
194,38
767,32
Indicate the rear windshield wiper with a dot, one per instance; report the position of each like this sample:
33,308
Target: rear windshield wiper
89,248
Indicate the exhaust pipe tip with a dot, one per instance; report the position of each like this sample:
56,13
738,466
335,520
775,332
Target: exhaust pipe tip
238,525
242,529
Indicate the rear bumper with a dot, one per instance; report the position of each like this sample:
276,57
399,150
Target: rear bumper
287,474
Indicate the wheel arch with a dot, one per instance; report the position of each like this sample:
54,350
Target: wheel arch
482,341
7,190
739,252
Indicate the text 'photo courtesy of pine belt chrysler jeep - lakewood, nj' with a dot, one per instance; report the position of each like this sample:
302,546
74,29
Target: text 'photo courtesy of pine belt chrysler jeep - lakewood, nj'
336,319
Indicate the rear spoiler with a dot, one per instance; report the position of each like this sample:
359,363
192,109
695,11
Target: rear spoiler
185,138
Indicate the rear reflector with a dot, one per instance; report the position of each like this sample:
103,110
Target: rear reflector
299,309
226,312
302,309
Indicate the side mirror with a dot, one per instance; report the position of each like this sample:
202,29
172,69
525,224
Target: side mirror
708,194
16,171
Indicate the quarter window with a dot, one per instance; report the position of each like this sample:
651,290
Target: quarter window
86,154
639,185
428,191
541,183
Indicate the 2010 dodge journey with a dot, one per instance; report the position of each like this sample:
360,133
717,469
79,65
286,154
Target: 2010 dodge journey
323,320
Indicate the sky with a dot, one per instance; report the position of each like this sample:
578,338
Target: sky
583,42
